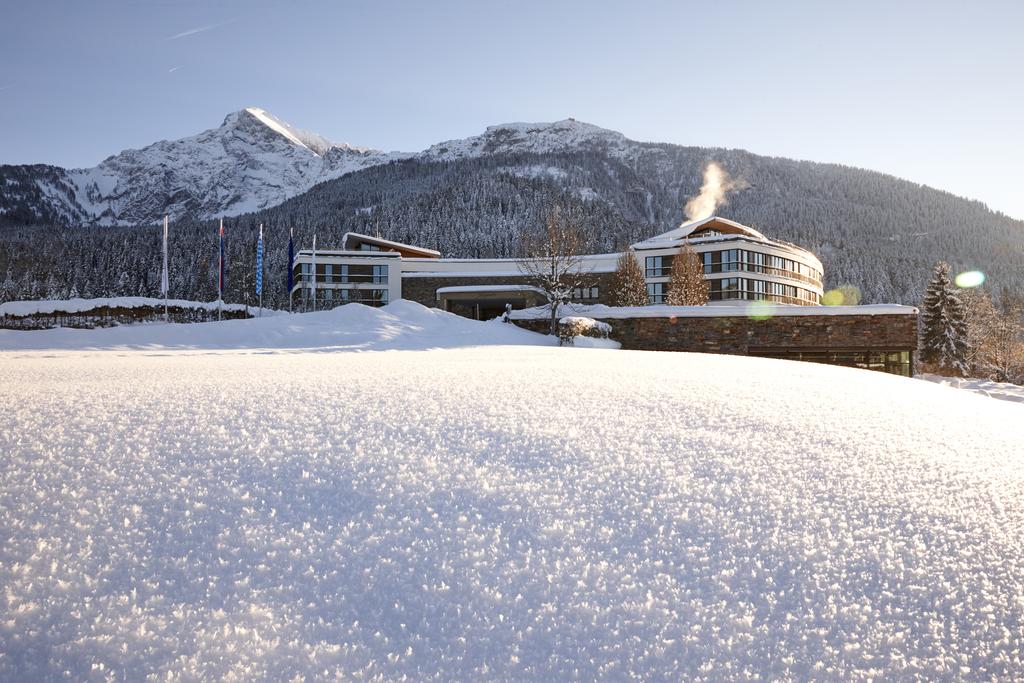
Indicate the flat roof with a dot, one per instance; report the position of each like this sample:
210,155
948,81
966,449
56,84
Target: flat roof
381,242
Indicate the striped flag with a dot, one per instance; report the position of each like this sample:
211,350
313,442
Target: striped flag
259,263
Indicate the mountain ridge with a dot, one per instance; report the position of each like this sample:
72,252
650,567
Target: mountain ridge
471,197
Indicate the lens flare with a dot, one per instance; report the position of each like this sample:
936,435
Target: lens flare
759,310
843,295
970,278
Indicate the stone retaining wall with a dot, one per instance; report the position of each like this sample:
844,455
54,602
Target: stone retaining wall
741,335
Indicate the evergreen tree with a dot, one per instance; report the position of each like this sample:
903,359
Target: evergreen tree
688,286
629,288
944,341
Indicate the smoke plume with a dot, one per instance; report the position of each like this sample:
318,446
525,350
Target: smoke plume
712,193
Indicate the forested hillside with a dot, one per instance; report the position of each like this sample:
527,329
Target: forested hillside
876,232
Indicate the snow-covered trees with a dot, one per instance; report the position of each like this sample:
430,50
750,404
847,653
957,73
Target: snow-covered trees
944,340
552,262
996,337
629,288
688,286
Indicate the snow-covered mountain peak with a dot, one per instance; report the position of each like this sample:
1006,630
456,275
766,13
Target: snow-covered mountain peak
314,142
255,160
537,138
283,129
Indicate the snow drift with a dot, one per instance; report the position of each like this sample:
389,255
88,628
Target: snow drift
352,327
496,513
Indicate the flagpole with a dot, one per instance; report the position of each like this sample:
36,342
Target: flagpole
164,279
291,265
220,272
314,272
259,271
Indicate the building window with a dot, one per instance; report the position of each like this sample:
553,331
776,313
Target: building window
585,294
363,246
656,292
380,275
658,266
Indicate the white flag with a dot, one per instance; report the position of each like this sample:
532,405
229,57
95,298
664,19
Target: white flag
164,287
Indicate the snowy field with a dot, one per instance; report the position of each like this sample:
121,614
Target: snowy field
985,387
204,505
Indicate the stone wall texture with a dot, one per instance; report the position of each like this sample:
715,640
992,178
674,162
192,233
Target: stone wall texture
740,335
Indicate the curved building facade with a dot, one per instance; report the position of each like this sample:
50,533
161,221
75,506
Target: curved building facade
740,264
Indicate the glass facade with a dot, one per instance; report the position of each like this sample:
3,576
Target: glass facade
745,260
741,262
749,289
342,273
341,283
329,297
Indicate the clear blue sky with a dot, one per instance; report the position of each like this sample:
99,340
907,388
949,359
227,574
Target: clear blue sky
929,91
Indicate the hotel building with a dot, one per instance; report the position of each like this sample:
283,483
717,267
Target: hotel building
740,264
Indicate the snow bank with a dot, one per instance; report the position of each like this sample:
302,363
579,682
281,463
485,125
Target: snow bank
22,308
985,387
355,327
513,513
713,310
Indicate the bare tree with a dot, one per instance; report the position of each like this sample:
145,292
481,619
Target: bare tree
629,288
996,337
553,264
688,286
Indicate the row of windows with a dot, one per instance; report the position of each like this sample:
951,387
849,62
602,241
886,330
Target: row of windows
755,262
585,294
345,273
756,290
743,289
326,298
738,260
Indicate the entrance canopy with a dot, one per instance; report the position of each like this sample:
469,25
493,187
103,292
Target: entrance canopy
483,302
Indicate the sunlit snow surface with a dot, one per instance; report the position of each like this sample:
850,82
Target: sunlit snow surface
505,512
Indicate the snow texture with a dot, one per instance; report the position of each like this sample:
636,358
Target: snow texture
499,513
985,387
354,327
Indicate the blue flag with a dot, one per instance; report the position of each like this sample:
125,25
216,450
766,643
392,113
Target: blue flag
259,263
